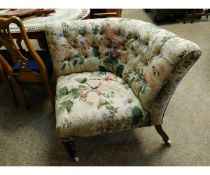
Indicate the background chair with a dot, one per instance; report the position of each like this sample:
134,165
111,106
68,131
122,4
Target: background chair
104,13
26,65
114,74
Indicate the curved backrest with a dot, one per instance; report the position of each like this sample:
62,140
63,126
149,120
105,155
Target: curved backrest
141,53
7,40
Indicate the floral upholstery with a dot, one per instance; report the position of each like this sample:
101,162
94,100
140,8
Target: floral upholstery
150,60
95,103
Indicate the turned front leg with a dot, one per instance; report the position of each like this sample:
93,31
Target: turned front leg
163,134
71,149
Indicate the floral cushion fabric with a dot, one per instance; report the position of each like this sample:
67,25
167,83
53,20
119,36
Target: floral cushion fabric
95,103
147,63
141,53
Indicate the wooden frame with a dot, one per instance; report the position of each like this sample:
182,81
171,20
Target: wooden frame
26,75
102,13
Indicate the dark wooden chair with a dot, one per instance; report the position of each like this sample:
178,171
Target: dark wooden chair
195,14
22,65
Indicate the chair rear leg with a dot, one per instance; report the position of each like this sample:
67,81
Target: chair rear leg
13,94
164,136
6,79
20,91
71,149
50,94
12,91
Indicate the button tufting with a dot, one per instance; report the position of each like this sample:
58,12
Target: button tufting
129,100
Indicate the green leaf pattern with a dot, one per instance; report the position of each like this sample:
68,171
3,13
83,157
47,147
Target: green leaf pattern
143,55
110,97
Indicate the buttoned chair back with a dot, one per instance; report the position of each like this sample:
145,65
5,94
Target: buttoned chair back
151,60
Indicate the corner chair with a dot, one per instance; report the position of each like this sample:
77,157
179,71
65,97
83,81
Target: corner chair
114,74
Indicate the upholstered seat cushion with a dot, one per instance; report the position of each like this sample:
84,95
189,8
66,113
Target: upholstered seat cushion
93,103
33,65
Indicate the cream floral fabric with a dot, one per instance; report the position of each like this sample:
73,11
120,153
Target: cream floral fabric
143,55
95,103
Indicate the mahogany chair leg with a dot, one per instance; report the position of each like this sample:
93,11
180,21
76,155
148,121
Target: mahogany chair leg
20,91
50,94
1,78
5,78
71,149
164,136
13,93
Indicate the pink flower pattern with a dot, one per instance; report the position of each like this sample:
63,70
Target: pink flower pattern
110,43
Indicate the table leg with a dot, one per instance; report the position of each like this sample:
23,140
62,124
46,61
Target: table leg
42,43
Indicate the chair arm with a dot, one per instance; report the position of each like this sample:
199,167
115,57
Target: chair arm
163,97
